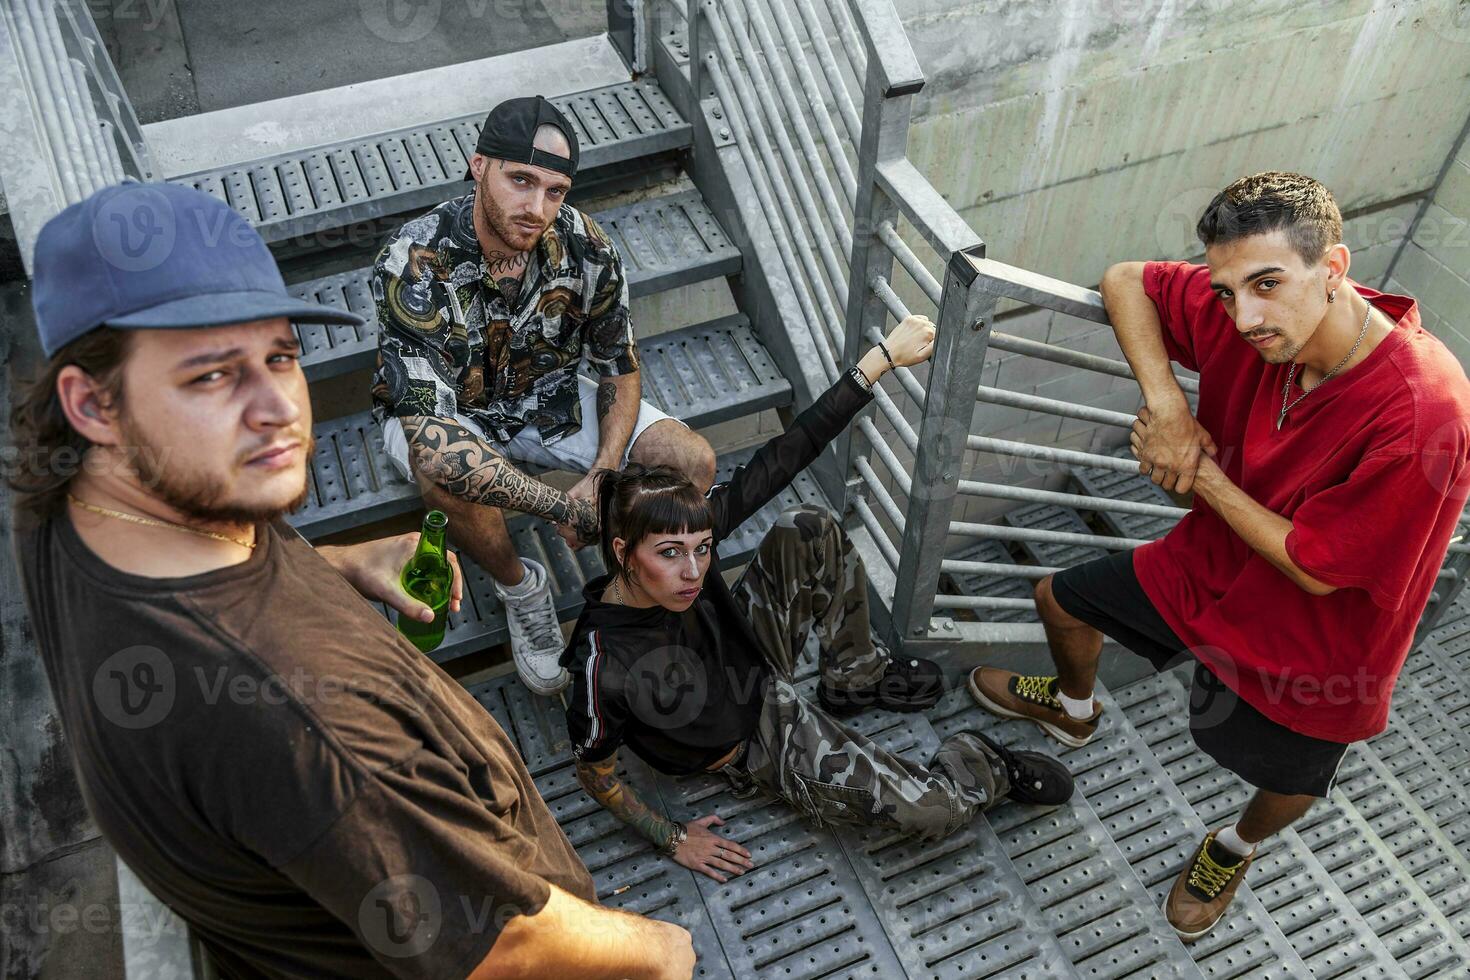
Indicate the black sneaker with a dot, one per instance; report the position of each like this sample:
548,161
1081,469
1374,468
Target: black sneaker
909,684
1035,777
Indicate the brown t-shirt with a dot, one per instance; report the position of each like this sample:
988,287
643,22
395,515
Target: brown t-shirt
281,767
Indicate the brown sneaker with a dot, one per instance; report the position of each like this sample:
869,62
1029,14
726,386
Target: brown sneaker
1033,698
1203,890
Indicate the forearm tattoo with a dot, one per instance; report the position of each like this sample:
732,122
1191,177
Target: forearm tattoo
600,780
466,466
607,394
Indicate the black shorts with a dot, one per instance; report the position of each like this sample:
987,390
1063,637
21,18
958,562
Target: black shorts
1105,594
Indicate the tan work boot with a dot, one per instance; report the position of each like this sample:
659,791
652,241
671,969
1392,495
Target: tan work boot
1034,698
1203,890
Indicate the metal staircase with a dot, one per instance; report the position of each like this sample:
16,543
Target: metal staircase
790,118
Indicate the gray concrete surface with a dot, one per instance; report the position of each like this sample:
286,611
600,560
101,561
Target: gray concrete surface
178,57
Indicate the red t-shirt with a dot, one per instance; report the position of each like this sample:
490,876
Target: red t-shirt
1370,470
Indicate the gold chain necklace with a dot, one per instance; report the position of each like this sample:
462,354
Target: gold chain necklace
135,519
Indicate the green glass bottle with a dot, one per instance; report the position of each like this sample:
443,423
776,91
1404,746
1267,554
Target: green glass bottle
429,579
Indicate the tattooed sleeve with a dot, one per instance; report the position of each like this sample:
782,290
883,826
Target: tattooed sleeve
600,780
466,466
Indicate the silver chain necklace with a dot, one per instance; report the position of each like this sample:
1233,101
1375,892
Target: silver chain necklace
1291,372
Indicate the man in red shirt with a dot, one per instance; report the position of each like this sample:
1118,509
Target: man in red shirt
1320,518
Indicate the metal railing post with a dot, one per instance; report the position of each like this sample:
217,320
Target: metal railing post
893,78
964,324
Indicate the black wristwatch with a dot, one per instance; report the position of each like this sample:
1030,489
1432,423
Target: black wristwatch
860,377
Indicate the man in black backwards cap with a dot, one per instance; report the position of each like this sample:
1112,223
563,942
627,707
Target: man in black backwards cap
488,304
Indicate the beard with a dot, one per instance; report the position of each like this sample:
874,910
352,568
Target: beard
202,497
504,225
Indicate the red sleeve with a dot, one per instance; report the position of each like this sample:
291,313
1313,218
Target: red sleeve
1342,537
1182,294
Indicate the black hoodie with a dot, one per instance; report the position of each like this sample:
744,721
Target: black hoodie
682,689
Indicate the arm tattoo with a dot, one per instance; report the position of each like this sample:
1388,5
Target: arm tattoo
600,780
607,393
466,466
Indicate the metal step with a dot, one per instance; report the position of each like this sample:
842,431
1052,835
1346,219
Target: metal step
1090,899
1334,925
1004,586
341,183
702,374
1157,829
1125,486
1049,517
628,874
481,619
663,242
868,903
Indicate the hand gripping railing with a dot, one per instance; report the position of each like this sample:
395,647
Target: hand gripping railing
833,180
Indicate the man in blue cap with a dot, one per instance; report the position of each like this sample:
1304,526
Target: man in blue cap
488,305
274,760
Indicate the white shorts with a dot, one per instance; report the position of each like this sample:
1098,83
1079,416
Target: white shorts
575,451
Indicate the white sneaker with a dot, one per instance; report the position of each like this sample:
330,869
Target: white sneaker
535,633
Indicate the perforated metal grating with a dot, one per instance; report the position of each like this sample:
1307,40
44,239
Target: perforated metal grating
627,872
1088,897
334,185
1125,486
1002,586
1322,922
1157,831
1049,517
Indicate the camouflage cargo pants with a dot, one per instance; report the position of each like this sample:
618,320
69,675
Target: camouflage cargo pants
806,577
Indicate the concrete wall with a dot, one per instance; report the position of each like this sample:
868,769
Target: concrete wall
1434,265
1078,133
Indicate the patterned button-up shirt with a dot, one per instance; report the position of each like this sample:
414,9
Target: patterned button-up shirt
450,342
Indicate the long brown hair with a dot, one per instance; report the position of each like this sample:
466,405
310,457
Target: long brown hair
48,452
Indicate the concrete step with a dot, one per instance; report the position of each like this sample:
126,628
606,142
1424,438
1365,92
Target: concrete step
1349,921
664,242
337,184
703,374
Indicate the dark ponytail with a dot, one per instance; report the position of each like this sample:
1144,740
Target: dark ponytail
642,500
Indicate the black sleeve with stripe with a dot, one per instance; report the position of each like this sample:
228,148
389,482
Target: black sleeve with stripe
778,462
596,709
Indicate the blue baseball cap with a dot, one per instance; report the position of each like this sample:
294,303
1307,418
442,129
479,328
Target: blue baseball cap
157,256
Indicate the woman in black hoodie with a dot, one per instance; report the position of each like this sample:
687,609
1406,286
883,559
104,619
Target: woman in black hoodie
694,676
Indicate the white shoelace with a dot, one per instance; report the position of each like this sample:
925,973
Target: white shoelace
538,621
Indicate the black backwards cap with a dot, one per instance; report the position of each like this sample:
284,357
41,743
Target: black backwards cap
509,133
